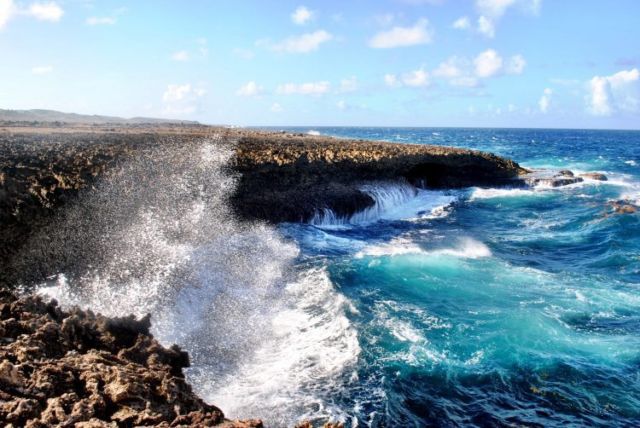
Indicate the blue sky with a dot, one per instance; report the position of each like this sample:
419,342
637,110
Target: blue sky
509,63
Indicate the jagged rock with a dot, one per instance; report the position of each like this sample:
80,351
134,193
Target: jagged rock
594,176
289,177
63,368
551,178
624,206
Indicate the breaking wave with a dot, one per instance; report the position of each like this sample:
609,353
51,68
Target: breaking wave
392,201
266,339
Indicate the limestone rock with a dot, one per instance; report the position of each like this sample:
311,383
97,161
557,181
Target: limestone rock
71,368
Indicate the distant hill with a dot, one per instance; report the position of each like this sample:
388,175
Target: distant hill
57,116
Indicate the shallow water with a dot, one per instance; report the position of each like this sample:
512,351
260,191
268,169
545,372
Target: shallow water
486,307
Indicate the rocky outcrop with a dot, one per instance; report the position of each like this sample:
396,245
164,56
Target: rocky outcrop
289,177
551,178
79,369
594,176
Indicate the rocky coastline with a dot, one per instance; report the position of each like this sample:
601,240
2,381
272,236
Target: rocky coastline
76,367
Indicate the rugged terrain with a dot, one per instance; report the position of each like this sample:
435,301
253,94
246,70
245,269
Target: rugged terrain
288,177
80,369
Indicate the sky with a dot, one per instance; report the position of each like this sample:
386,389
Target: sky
475,63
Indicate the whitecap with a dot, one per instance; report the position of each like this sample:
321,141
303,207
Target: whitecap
392,201
313,132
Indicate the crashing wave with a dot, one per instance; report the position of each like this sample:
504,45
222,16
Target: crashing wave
224,291
392,201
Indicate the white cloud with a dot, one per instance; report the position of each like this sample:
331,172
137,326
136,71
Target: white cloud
416,78
619,92
486,27
250,89
180,56
487,63
176,92
349,85
461,23
304,43
301,15
491,11
419,34
42,69
342,105
276,108
104,20
49,11
457,71
516,64
181,99
449,69
310,88
545,100
494,8
7,9
391,80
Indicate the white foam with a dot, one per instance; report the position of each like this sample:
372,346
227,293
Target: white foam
481,193
396,247
393,201
313,132
631,162
311,345
467,248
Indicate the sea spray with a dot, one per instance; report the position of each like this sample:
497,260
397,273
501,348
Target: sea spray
157,236
392,201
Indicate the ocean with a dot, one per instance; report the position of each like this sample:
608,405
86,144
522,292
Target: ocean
465,307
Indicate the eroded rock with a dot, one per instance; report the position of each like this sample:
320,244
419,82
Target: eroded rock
594,176
61,368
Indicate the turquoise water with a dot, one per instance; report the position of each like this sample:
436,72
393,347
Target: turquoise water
492,307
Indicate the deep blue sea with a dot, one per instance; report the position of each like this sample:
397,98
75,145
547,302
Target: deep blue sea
467,307
493,307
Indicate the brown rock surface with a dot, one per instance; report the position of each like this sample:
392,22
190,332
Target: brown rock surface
64,368
288,177
594,176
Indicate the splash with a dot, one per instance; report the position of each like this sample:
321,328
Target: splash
158,237
392,201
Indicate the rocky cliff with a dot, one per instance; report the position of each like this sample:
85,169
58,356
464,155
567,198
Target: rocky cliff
287,177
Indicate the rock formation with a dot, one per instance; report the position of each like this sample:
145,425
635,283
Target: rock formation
80,369
288,177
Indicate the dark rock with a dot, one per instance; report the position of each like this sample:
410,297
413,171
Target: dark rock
594,176
550,178
624,206
76,368
285,177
